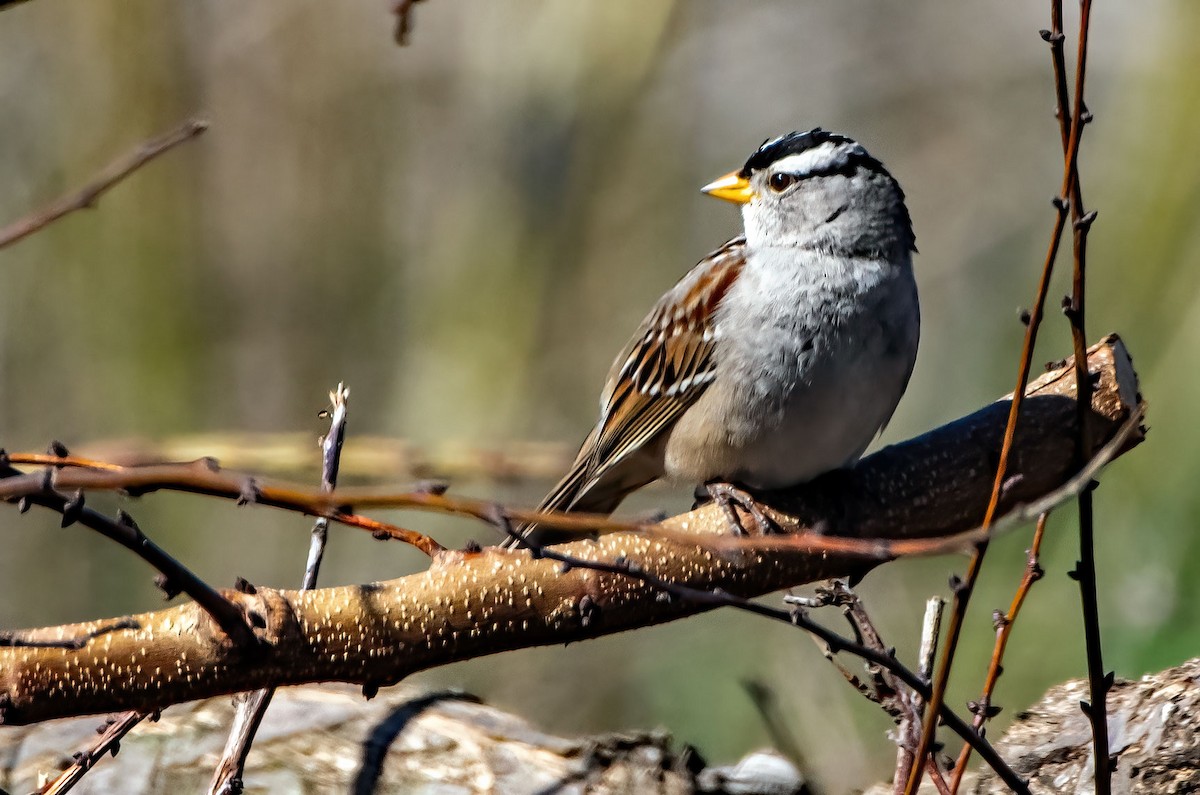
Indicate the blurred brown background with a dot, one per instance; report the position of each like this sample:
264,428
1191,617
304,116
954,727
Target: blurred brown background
466,230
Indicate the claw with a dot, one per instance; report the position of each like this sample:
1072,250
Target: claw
727,495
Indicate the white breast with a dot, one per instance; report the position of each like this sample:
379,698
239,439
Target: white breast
815,353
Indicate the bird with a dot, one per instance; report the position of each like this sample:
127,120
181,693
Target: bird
779,356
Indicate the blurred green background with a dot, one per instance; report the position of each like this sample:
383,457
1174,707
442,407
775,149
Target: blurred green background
467,229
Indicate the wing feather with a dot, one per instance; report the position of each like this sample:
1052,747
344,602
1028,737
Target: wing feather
667,364
659,374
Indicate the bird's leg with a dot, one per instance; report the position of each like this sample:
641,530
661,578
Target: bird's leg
727,495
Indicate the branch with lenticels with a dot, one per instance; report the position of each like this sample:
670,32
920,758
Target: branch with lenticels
482,601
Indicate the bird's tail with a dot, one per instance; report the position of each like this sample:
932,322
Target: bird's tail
580,490
565,496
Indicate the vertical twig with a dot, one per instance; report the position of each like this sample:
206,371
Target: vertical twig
1071,121
983,709
964,588
331,456
1099,681
251,707
908,735
901,700
931,628
834,643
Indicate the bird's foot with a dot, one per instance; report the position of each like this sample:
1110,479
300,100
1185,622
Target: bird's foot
728,495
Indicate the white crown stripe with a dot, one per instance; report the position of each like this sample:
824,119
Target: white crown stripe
828,156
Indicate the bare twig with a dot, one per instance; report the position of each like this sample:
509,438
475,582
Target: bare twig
116,171
1099,681
879,688
796,617
909,733
379,458
475,602
903,703
964,588
882,549
176,578
183,477
251,707
110,740
900,702
204,476
931,629
936,776
331,458
983,708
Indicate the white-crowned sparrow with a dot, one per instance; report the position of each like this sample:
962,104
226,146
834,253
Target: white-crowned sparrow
780,355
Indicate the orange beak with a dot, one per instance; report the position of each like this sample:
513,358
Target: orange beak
732,187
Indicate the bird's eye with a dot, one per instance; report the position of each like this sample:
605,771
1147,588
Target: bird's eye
781,181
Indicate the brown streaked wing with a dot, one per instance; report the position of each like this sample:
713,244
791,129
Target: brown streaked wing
667,364
660,372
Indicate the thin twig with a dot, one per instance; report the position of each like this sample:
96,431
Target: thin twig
903,703
111,734
797,617
909,733
204,476
176,578
936,776
1099,681
961,588
54,460
983,708
931,629
376,457
884,549
1055,38
331,458
251,707
879,689
964,588
116,171
899,701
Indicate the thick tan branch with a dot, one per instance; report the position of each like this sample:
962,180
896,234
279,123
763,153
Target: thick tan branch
469,604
